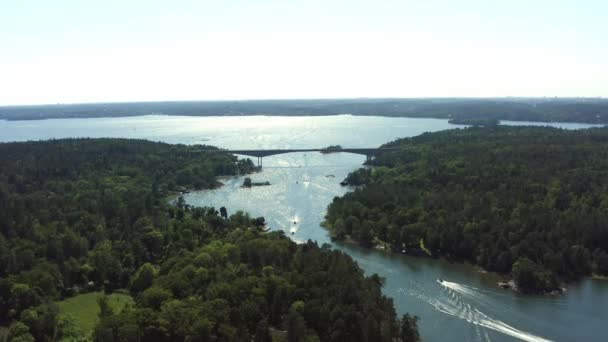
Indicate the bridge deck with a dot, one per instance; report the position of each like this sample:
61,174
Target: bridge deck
270,152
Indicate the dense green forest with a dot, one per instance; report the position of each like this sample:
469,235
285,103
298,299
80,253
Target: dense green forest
530,202
485,122
588,110
83,215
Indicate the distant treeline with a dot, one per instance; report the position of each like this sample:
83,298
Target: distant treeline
527,201
586,110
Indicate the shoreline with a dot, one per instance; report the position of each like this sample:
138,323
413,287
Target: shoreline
174,194
506,282
598,277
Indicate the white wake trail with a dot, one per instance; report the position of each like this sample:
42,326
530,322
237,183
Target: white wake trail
470,291
458,308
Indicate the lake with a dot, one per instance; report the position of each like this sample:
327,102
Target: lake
467,306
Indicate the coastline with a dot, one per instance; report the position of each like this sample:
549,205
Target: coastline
501,281
502,108
595,276
174,194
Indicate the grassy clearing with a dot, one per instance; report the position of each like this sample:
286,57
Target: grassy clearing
84,309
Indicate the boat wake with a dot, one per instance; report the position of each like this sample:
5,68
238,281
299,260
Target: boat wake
463,289
455,304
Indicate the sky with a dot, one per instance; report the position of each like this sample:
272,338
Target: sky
73,51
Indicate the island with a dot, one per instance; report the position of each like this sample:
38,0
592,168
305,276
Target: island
247,183
331,149
528,203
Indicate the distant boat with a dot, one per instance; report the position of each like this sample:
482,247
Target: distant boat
295,222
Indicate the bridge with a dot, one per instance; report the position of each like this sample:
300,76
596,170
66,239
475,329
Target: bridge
369,153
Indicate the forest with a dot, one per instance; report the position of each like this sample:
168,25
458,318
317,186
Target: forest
488,110
527,202
81,215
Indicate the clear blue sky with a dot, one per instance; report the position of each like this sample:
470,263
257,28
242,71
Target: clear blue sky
65,51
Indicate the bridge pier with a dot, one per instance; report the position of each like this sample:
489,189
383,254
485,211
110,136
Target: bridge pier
260,162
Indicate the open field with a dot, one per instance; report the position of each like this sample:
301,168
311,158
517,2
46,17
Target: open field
84,309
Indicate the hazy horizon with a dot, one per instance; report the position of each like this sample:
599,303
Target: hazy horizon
72,52
321,99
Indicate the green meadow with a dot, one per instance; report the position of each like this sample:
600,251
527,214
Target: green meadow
84,309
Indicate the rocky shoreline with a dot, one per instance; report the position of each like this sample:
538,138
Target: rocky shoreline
507,284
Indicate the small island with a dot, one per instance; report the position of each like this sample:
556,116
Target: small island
247,183
331,149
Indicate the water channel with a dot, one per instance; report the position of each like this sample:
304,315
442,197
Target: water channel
467,306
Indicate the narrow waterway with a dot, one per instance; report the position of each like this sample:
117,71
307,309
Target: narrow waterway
467,306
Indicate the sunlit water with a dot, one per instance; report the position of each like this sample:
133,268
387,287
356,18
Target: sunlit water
465,306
